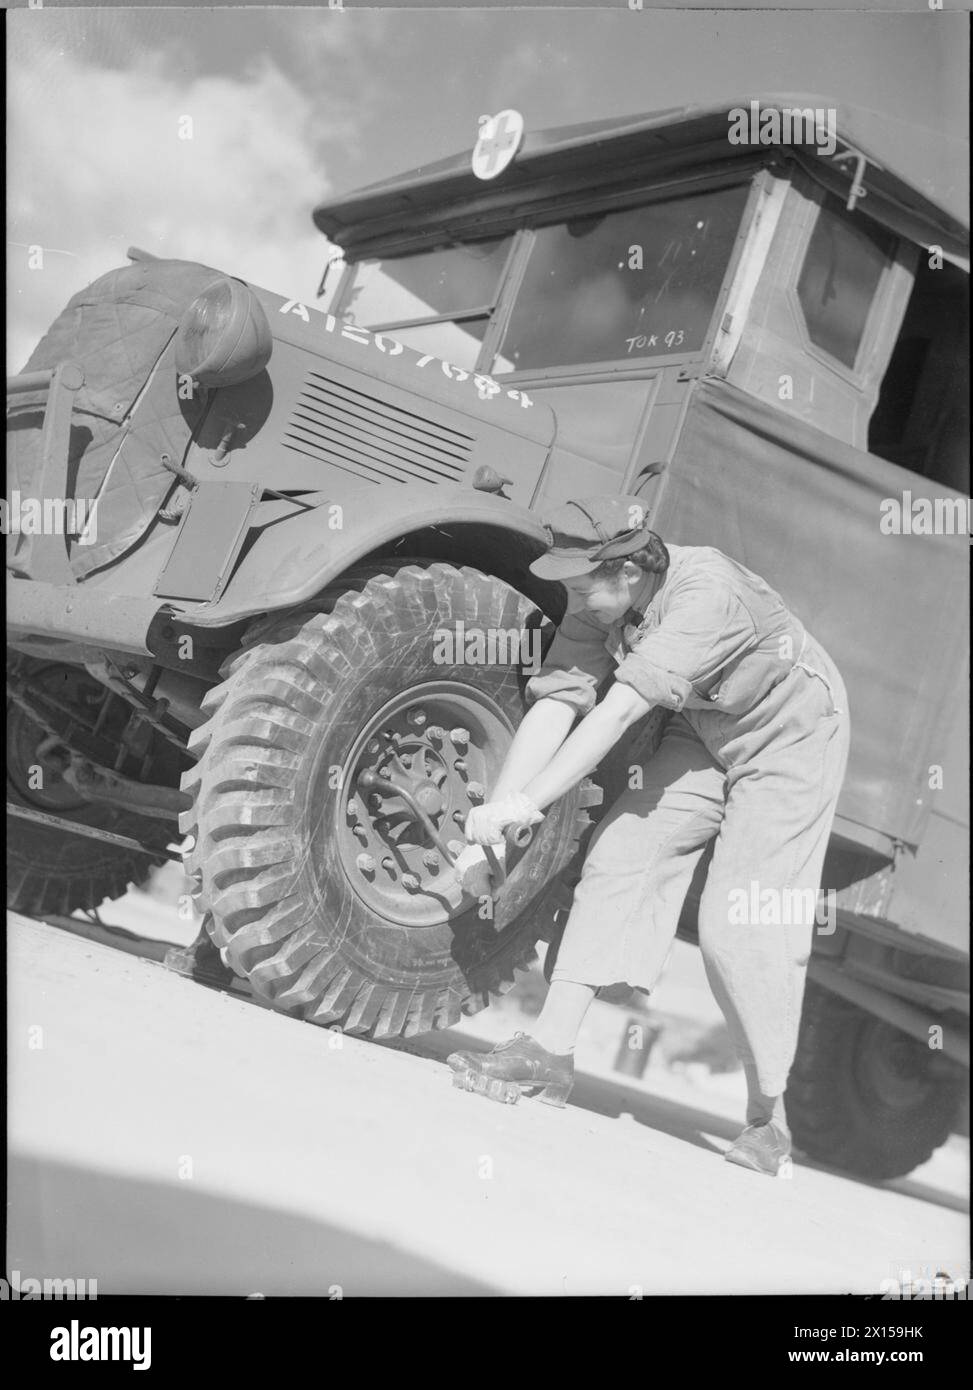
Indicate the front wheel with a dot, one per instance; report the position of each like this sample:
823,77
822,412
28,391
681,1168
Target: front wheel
343,750
865,1096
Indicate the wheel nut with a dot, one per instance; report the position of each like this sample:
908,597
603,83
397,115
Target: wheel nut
406,760
475,791
384,772
437,732
366,863
459,817
410,881
459,736
455,847
416,718
372,746
460,766
351,810
382,826
388,864
431,859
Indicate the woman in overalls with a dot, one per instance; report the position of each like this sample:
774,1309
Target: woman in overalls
753,757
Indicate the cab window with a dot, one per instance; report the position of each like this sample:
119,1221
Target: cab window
843,264
922,418
436,301
628,286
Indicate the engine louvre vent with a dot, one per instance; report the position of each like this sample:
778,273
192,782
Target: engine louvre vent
361,434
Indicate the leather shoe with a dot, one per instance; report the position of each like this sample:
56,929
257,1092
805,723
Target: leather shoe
762,1147
513,1067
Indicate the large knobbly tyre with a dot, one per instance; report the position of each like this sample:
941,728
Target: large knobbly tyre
864,1096
53,871
326,891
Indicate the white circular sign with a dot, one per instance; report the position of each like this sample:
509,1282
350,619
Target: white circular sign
499,140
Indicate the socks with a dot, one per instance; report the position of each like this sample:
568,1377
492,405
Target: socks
761,1108
560,1019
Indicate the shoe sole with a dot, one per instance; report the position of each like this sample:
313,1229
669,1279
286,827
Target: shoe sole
467,1077
745,1161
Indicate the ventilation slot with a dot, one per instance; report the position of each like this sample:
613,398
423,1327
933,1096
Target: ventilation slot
364,435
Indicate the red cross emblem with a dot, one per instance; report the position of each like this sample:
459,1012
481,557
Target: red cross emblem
499,140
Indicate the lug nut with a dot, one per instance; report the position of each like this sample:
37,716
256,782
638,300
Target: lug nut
361,832
351,810
417,718
459,736
383,827
455,847
388,864
474,791
459,817
372,746
406,760
437,732
374,802
366,863
410,881
460,766
431,859
384,772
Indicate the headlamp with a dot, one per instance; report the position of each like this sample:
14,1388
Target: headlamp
224,337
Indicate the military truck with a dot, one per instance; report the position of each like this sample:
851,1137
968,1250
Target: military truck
235,647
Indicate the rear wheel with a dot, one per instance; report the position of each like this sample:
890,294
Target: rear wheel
53,871
327,887
865,1096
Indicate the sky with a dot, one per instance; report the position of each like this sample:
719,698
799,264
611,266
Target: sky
287,107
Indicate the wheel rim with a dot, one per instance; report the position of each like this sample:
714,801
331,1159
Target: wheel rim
443,743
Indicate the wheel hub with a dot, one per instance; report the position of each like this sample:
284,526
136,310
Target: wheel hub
411,780
430,799
892,1068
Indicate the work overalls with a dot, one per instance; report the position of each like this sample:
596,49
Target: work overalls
754,756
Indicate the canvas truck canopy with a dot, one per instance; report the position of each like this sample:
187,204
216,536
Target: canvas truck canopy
446,196
804,511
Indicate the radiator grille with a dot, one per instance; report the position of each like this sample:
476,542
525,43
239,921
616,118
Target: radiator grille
361,434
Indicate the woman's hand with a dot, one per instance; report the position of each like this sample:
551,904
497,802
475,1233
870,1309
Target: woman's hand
475,872
485,824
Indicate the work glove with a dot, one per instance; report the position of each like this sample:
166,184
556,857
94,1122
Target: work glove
474,870
485,824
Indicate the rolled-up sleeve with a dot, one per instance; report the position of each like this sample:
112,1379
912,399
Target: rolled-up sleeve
705,626
577,662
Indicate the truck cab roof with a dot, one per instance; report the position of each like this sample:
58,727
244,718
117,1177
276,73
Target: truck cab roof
606,154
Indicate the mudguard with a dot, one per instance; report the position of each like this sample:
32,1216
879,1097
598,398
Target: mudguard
295,556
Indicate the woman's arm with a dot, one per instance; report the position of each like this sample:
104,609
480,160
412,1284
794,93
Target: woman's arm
542,730
597,733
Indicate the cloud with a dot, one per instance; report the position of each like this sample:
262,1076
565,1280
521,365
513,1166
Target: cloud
218,169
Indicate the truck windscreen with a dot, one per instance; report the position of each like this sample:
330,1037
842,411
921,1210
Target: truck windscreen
612,287
627,285
436,301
